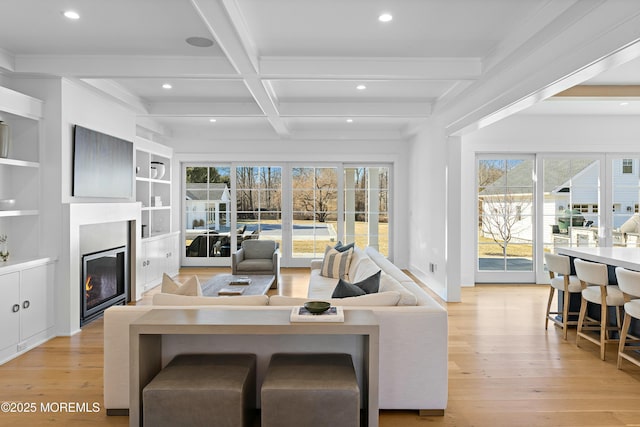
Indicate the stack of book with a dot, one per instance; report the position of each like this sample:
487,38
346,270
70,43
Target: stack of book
301,314
231,291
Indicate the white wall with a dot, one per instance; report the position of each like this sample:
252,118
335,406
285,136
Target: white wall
188,149
435,210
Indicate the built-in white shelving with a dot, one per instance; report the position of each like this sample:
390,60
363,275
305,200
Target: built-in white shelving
153,187
20,173
27,278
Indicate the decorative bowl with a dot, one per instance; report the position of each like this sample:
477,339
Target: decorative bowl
160,168
7,204
317,307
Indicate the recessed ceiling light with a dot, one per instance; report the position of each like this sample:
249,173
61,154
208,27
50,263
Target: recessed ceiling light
166,86
213,120
349,120
385,17
361,87
199,41
71,14
624,104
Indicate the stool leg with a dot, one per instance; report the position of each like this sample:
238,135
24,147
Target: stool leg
583,311
565,314
546,318
604,332
623,338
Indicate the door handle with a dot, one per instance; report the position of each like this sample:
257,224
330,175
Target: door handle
26,304
15,308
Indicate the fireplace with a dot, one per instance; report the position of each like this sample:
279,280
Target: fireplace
104,282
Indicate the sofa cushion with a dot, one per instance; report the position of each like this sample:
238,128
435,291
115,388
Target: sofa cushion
386,265
190,287
366,268
255,265
335,263
356,258
380,299
389,283
257,249
170,299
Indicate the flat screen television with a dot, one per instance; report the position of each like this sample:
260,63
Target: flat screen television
102,165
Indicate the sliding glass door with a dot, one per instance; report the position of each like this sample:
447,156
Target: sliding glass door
505,239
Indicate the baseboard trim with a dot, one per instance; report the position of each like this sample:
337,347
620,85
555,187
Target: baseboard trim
118,412
431,412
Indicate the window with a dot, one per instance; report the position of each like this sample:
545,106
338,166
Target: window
315,210
366,211
587,208
627,166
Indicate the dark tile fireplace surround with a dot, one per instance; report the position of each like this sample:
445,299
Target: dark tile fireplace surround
104,282
105,270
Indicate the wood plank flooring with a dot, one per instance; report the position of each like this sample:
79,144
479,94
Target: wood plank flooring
504,369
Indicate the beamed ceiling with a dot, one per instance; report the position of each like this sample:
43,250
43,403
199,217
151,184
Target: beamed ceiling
290,69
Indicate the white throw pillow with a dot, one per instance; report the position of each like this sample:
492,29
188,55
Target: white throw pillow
190,287
336,263
388,284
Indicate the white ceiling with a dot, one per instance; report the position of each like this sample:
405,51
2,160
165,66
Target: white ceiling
281,68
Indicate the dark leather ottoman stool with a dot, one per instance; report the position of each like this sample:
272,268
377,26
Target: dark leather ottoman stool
202,390
310,389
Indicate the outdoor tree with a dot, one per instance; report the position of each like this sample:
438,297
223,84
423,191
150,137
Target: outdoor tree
502,216
315,192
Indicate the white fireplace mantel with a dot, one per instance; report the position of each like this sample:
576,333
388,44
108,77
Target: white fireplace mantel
76,215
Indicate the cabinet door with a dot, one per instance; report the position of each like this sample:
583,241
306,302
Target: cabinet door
155,261
36,313
172,265
9,319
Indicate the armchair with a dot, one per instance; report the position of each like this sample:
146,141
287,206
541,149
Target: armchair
257,257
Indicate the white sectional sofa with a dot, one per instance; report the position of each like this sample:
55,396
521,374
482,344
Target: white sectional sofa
413,335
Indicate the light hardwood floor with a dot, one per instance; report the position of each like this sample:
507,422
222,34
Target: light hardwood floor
504,369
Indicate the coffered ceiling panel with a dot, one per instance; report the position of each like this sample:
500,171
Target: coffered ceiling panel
420,28
187,89
113,27
360,90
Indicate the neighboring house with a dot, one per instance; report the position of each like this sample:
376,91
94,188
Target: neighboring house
567,185
203,206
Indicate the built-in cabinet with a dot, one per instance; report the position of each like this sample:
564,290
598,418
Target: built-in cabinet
27,278
26,306
158,255
158,251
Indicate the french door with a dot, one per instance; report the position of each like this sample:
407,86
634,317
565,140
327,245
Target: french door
304,207
529,205
506,226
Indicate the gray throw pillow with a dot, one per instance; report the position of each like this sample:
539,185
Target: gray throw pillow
345,289
370,285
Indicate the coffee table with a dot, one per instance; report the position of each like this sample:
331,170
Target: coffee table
260,284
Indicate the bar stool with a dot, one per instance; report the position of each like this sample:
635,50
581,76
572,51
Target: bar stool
560,265
602,293
629,283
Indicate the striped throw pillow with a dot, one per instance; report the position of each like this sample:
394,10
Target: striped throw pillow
335,263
